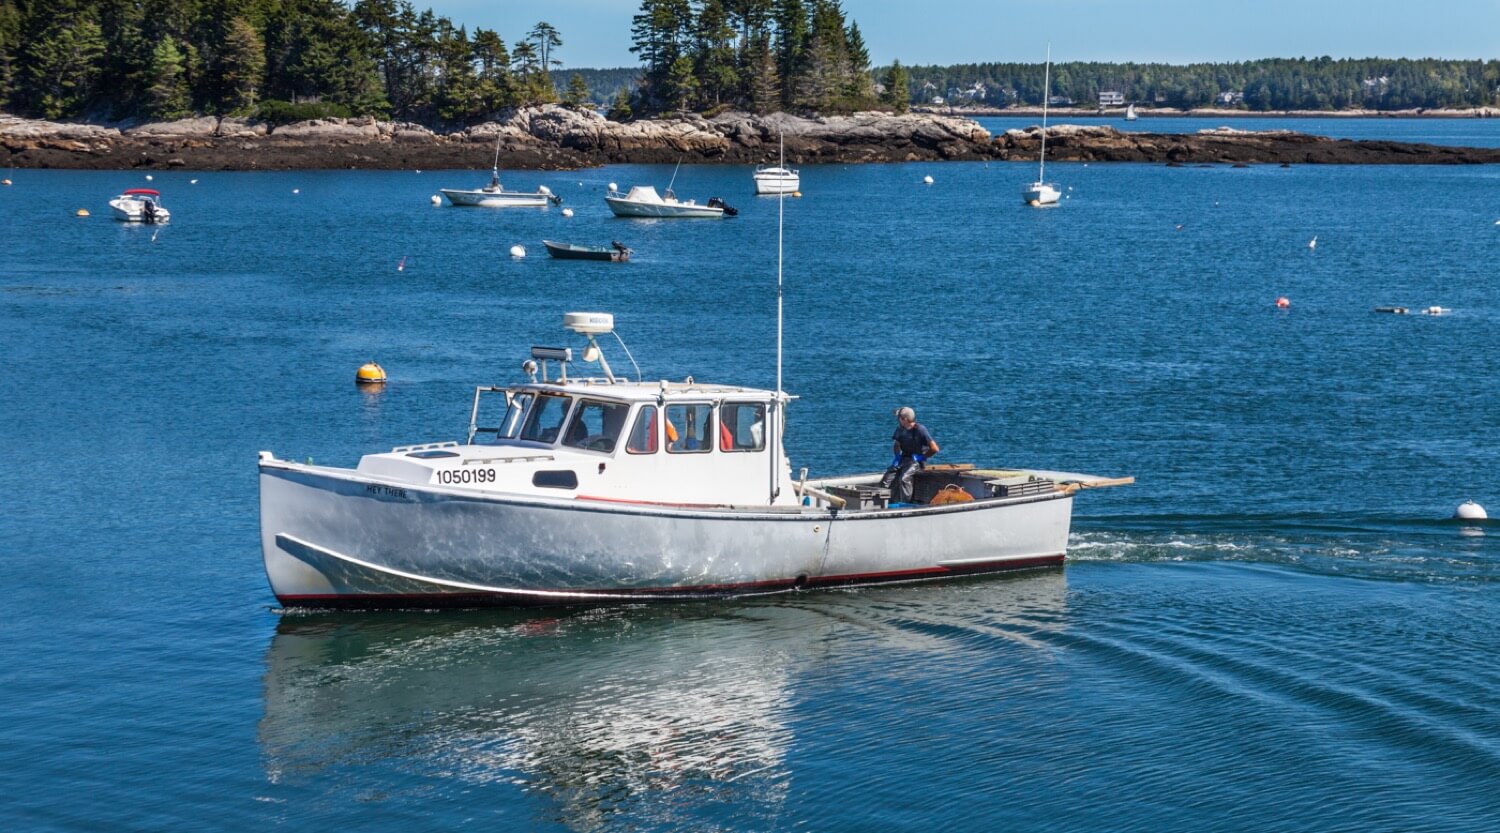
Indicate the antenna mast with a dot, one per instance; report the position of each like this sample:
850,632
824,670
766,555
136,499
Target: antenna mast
780,404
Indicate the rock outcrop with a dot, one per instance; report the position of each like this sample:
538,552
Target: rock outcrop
559,137
533,137
1228,145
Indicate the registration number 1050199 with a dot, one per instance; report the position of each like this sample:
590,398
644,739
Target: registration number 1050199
464,477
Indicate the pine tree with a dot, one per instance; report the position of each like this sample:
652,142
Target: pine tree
242,66
167,95
620,110
578,92
897,95
764,92
546,38
10,48
60,67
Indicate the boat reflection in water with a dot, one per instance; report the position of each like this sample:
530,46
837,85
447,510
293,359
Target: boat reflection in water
581,718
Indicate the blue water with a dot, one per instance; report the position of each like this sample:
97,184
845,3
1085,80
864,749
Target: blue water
1461,132
1276,628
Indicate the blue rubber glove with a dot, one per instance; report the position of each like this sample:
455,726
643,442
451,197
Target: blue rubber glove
920,458
895,461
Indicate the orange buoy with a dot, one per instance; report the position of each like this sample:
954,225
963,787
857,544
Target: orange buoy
1282,303
369,373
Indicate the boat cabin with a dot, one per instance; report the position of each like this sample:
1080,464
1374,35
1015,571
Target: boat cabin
684,443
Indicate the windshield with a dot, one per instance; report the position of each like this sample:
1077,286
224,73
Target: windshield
545,421
596,425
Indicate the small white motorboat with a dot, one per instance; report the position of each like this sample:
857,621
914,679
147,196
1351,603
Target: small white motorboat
140,205
643,201
775,179
602,489
495,196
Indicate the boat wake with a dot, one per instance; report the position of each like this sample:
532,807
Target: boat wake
1368,547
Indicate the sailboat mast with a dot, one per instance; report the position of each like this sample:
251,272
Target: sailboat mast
1041,175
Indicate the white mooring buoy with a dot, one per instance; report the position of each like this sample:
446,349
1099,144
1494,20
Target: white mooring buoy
613,187
518,250
437,200
1470,511
567,212
927,180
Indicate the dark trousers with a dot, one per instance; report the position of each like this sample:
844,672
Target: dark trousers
898,479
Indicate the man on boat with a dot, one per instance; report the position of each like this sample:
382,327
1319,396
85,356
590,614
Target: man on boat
912,445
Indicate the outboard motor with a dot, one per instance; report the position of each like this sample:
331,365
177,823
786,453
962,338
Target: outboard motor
148,212
715,202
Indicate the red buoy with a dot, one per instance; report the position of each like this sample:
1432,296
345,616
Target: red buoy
1282,302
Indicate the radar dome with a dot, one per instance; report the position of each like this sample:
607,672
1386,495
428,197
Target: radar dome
589,323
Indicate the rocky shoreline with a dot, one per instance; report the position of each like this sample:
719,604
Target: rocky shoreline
555,137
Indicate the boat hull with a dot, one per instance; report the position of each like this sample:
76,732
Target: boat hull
629,208
777,185
129,211
1038,195
334,539
496,199
562,251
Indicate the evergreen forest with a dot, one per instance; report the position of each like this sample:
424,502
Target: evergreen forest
285,60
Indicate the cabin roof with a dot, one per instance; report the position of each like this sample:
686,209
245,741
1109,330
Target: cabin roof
648,391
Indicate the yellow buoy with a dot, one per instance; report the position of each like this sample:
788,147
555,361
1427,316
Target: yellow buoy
370,373
796,193
82,212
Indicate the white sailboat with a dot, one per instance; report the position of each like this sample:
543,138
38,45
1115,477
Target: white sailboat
1130,112
1041,193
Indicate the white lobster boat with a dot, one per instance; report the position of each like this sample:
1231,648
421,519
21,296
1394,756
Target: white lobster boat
605,490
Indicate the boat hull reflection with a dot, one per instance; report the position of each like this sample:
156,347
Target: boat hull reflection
595,716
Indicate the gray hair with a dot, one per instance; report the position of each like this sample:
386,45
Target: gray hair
908,413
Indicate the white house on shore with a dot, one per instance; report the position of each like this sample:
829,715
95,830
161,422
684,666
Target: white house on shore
1111,98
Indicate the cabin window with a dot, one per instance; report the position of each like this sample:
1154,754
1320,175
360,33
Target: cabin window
515,411
643,435
596,426
545,421
742,426
688,428
555,480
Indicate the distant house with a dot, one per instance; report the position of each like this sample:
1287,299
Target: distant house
1375,86
1110,98
975,93
1060,101
937,99
1230,99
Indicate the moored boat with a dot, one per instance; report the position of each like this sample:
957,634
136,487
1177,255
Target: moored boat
643,201
616,251
777,179
1042,193
604,490
140,205
494,195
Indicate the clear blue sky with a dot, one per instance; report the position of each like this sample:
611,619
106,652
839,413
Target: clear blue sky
596,33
